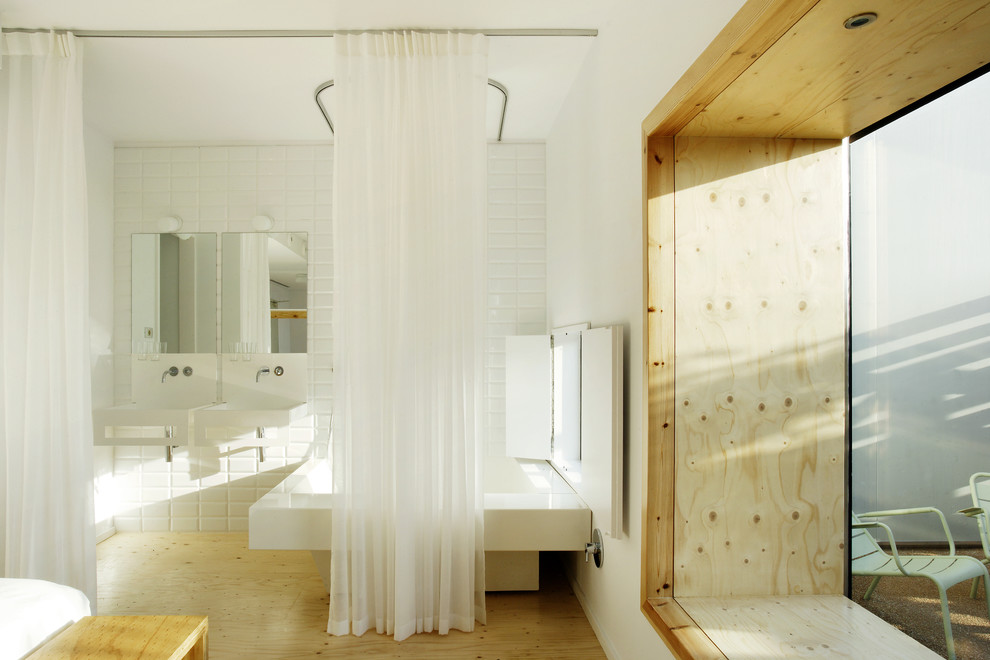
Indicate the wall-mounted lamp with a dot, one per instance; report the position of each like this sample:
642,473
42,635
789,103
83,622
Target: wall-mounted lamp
169,223
262,222
860,20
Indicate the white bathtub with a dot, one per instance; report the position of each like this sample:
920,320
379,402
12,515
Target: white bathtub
528,508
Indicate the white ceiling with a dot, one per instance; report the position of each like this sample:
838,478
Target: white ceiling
195,90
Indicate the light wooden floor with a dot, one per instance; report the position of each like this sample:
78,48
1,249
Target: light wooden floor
271,604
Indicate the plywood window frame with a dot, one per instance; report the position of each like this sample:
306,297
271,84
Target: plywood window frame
753,31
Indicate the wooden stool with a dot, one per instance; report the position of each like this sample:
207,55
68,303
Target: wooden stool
131,637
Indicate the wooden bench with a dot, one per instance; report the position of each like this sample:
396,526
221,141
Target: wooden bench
132,637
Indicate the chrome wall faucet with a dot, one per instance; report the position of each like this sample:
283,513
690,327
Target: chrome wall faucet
264,371
171,371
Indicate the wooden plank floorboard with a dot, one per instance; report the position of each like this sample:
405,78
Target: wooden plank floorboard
271,604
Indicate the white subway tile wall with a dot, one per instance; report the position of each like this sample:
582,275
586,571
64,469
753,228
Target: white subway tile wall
220,189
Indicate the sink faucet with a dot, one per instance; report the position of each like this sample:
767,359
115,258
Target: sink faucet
171,371
264,371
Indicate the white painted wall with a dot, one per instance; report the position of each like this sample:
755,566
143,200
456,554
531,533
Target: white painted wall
921,312
595,262
99,175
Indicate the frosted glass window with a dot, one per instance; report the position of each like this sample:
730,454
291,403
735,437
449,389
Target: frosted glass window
921,309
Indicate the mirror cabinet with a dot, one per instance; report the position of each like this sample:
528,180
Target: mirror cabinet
263,289
173,293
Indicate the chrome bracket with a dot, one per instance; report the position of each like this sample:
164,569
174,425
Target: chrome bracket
596,548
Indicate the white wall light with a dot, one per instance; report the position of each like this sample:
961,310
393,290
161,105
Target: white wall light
262,222
169,223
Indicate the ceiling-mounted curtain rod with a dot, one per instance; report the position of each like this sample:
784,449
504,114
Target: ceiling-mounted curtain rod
268,34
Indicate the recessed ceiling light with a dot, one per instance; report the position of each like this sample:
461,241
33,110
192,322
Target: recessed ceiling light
860,20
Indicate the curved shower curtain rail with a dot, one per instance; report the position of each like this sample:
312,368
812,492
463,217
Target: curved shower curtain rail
491,83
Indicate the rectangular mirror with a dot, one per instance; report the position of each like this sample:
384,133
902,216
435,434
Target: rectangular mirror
174,293
264,292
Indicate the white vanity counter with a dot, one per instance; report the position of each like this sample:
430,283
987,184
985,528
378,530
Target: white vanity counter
528,508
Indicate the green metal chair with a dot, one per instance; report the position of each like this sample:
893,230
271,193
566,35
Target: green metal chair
868,558
979,489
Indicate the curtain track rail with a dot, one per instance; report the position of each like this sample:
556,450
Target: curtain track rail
282,34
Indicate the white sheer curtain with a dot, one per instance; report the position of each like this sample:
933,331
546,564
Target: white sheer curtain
45,407
409,241
256,296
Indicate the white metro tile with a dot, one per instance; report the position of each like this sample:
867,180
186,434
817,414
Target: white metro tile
271,152
501,166
300,167
502,270
243,465
127,169
238,510
126,155
502,196
531,150
501,150
213,168
212,153
215,509
502,241
538,300
531,196
242,182
533,240
300,152
271,167
156,509
271,182
151,170
185,510
157,524
242,153
184,154
156,155
190,170
213,524
184,524
532,270
501,181
242,167
538,180
532,210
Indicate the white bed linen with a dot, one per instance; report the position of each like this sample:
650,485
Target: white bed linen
33,611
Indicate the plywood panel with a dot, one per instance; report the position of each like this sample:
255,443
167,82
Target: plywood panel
929,63
681,633
760,265
272,605
822,80
754,29
799,627
658,482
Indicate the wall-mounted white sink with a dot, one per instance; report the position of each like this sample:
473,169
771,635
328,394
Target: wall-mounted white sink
252,409
164,402
143,424
259,391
